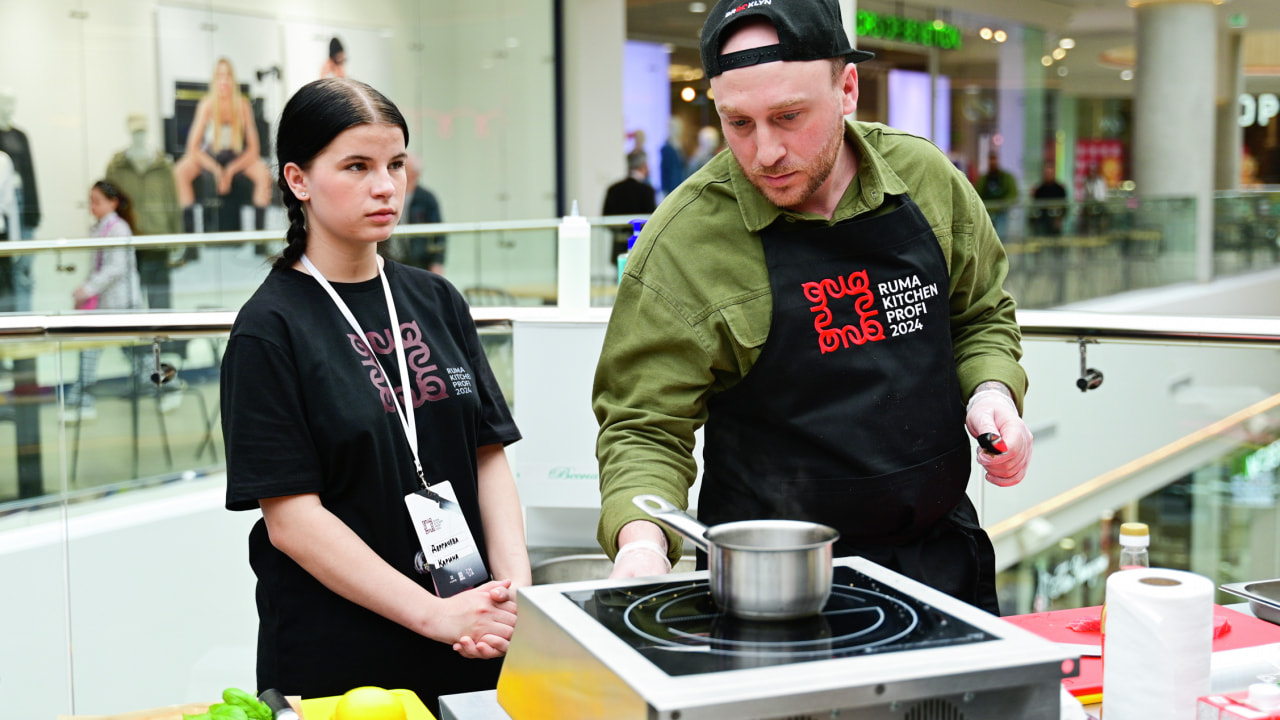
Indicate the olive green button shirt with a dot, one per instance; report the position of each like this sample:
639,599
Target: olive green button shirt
693,310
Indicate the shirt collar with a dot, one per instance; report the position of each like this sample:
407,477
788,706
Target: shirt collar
866,191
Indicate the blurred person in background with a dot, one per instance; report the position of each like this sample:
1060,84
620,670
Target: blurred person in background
632,195
113,284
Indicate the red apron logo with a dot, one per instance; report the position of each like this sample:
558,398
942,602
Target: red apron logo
747,6
855,286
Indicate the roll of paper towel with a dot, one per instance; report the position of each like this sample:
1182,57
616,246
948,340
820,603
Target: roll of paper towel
1159,639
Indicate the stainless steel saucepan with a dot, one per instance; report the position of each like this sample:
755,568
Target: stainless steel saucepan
759,569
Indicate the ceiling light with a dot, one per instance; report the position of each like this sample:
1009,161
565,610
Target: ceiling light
688,94
985,33
1066,43
1062,71
697,7
1001,36
1059,53
1046,61
1126,74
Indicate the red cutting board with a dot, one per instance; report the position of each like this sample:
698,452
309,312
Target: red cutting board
1243,631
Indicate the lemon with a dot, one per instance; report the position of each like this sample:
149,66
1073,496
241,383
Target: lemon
369,703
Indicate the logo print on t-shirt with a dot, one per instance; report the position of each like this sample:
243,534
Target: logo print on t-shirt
855,286
424,375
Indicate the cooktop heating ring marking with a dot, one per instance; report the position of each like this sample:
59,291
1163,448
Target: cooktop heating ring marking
759,648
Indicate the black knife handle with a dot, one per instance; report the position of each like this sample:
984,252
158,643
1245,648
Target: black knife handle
280,707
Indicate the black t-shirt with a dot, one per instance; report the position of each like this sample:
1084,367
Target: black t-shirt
305,410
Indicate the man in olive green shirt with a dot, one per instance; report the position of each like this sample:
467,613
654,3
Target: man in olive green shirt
822,298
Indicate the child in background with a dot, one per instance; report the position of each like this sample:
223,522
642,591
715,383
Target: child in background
112,284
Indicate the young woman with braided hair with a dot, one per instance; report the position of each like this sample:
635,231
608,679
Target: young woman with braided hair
354,387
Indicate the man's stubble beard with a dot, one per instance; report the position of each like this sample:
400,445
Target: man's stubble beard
816,173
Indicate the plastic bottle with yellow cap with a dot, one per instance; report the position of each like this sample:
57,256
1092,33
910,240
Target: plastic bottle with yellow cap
1135,539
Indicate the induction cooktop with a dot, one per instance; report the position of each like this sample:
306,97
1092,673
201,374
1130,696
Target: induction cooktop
677,626
885,647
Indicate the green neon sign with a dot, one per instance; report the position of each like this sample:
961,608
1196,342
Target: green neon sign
917,32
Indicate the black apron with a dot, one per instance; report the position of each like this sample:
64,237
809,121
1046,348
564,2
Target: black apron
852,415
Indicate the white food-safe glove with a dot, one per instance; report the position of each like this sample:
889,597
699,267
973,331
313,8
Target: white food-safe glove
640,558
993,411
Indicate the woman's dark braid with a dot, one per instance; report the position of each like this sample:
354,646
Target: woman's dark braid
296,237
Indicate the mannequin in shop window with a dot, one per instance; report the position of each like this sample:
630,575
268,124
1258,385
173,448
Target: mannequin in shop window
145,174
223,144
14,143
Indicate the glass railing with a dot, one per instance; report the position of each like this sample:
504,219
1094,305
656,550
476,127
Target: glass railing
1058,253
89,418
1063,252
1246,231
492,263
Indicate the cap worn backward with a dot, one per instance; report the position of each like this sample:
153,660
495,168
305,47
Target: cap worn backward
807,30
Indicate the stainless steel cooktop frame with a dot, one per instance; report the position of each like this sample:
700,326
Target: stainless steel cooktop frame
562,658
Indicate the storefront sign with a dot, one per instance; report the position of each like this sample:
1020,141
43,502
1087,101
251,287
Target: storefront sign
917,32
1259,110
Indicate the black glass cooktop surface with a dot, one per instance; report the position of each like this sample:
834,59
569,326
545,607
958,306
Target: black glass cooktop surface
677,626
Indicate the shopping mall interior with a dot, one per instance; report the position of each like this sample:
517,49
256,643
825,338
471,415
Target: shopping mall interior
1146,289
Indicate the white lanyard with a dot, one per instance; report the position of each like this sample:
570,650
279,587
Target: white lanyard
407,420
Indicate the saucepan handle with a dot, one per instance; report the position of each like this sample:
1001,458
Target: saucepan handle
674,518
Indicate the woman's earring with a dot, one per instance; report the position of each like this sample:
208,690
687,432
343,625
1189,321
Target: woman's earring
302,195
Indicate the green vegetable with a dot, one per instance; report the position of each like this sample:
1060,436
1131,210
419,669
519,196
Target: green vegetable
201,716
236,696
227,711
254,708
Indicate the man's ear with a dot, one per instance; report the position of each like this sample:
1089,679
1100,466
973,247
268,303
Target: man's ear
849,88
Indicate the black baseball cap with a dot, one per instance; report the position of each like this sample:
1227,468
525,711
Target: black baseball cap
807,30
